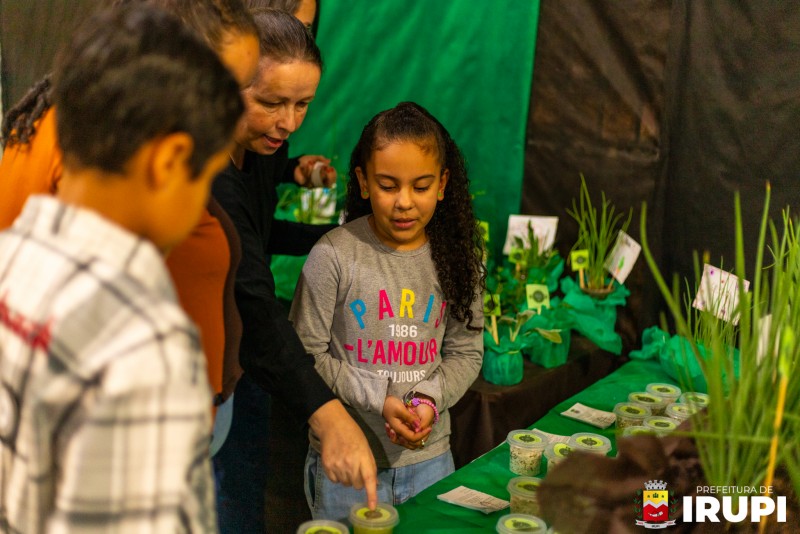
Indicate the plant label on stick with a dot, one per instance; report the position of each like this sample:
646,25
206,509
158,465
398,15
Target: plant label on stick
544,228
483,227
718,293
579,259
538,297
491,305
516,256
623,257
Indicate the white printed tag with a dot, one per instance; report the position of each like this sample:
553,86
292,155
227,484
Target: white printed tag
553,438
474,500
592,416
623,257
544,228
719,293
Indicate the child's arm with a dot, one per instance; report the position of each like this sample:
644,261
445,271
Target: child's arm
312,314
462,357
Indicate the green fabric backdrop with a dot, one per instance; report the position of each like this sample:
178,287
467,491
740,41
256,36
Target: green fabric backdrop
470,62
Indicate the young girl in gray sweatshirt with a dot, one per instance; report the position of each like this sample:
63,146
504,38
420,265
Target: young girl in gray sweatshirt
390,305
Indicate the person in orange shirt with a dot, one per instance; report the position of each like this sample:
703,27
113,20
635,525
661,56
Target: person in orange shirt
204,265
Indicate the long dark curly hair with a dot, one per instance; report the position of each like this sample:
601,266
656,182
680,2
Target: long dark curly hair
456,243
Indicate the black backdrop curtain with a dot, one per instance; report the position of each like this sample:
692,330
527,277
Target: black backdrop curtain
675,103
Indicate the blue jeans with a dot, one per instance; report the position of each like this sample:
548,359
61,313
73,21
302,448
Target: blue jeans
240,466
328,500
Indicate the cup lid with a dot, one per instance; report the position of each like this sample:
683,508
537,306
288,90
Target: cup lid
524,486
636,431
648,399
383,516
661,424
682,411
529,439
590,442
322,526
695,398
558,450
631,410
665,390
520,523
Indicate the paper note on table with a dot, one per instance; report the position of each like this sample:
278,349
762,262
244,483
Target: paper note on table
719,293
553,438
544,228
623,257
473,499
592,416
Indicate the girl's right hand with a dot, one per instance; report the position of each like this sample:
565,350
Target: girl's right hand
400,424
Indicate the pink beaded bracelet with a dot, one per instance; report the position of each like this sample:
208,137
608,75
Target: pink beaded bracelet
416,401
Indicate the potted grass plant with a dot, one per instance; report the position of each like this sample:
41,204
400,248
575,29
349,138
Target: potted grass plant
746,438
749,432
597,232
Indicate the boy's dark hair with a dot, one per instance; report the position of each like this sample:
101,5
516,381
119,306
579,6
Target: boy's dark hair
213,20
134,73
453,231
284,39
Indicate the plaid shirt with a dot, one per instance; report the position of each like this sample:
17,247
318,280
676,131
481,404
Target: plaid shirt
104,401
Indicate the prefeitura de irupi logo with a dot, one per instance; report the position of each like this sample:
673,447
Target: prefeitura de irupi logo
657,507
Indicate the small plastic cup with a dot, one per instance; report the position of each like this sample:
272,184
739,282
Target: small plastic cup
656,403
694,398
668,392
526,448
636,431
590,442
630,414
680,412
322,526
660,425
555,453
382,520
513,523
522,491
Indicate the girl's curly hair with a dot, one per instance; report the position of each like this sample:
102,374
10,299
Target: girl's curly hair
18,123
453,232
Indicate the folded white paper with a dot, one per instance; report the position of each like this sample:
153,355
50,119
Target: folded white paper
473,499
592,416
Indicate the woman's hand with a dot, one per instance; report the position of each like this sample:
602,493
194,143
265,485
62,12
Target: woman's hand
306,176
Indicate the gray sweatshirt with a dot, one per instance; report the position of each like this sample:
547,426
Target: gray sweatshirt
377,324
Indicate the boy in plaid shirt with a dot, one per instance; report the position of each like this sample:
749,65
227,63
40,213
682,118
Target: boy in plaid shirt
104,420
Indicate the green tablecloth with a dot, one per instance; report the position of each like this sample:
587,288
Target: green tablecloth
426,514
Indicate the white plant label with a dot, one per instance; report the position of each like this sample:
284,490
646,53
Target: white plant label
553,438
719,293
623,257
544,228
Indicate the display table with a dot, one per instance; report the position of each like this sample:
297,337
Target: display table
487,413
490,473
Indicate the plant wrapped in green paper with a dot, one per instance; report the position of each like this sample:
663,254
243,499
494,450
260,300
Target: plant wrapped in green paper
597,232
751,427
594,318
677,357
503,341
548,335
